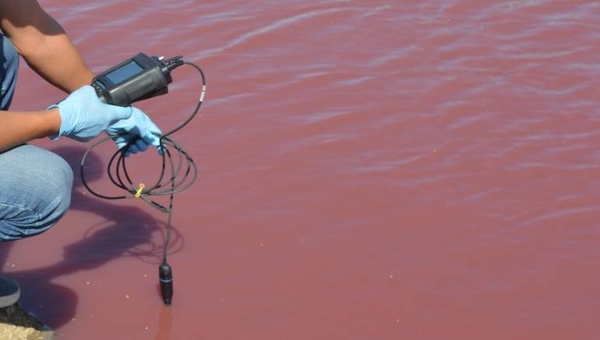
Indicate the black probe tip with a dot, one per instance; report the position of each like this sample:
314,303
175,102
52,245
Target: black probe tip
165,274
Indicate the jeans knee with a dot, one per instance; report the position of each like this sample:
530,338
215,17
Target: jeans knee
42,197
61,185
56,191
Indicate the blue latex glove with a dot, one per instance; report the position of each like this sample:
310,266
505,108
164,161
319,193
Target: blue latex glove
137,128
84,116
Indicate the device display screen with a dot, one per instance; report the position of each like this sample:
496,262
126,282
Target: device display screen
124,72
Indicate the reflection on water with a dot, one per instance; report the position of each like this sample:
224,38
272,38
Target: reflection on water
165,322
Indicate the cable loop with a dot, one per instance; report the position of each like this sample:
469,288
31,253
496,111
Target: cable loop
178,169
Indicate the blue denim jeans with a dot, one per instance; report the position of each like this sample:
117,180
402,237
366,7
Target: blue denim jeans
35,184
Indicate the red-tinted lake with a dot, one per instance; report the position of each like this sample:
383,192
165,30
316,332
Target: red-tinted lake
367,170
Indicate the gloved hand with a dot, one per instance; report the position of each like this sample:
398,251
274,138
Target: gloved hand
84,116
137,128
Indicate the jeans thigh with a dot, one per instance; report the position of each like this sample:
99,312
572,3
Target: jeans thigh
9,70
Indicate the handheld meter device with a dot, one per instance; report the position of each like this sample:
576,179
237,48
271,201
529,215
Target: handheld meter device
135,79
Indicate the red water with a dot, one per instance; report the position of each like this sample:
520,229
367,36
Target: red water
417,170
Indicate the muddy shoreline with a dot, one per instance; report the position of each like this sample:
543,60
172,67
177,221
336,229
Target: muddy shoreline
17,324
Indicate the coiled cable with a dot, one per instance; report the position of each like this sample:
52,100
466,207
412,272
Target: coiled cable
178,173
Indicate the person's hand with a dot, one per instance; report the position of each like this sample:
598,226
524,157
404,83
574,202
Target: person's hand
138,131
84,116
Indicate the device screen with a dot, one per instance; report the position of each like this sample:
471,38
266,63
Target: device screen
124,72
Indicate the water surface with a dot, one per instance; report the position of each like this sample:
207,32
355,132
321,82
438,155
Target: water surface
368,170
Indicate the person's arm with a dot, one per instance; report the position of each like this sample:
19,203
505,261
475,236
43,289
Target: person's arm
44,45
80,116
47,49
20,127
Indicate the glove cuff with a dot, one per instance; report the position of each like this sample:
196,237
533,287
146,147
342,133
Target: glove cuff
55,137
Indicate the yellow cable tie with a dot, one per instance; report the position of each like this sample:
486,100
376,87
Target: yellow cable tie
138,193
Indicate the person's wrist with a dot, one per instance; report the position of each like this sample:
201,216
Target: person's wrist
52,121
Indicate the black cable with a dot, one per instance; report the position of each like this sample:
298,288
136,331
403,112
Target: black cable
183,173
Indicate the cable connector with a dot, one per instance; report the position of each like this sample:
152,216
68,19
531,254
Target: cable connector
173,63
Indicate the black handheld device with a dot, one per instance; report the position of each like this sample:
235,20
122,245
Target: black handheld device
135,79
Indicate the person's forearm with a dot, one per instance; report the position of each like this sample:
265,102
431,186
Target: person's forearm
44,45
20,127
57,61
